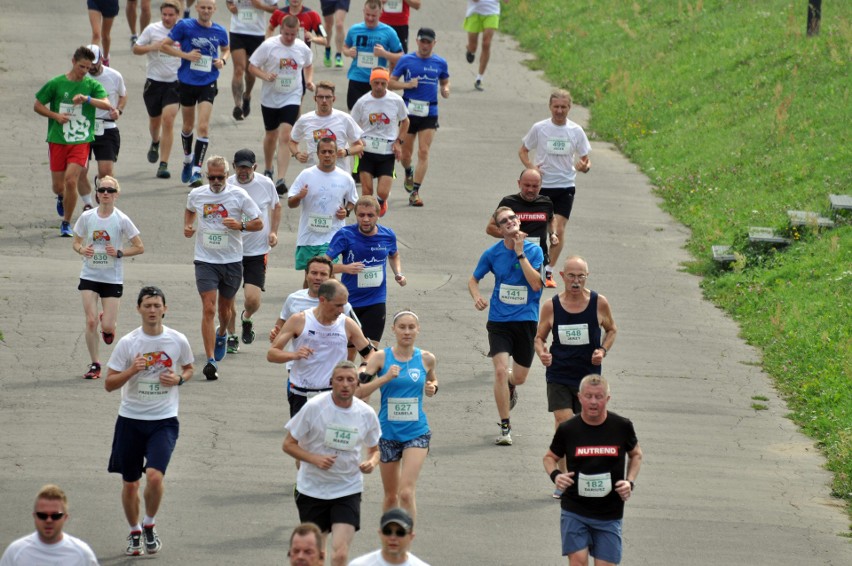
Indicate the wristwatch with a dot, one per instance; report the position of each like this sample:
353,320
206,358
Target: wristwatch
119,254
243,227
521,256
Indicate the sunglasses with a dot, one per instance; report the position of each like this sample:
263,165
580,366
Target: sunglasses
46,516
506,220
387,531
216,177
109,190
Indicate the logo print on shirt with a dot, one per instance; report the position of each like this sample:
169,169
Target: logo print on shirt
288,63
215,211
379,118
323,133
157,360
592,451
100,237
414,374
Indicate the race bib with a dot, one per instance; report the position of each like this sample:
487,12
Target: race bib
381,146
339,437
513,294
99,127
76,128
150,390
573,334
556,146
215,240
418,108
403,409
247,15
371,276
285,83
596,485
205,64
100,260
366,60
320,223
393,7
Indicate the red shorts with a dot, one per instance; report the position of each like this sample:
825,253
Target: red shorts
62,154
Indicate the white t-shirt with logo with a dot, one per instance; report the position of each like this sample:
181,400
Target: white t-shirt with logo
262,191
379,118
215,243
557,148
29,550
375,559
324,428
161,67
143,397
311,128
287,63
327,193
249,20
112,230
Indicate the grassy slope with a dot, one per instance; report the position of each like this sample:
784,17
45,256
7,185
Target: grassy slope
736,116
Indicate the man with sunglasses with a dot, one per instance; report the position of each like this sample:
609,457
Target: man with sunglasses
513,312
326,122
396,532
420,75
224,212
149,365
48,544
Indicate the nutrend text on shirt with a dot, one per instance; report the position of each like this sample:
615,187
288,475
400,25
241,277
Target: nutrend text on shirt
589,451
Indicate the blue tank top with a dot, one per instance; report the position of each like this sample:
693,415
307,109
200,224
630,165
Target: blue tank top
575,337
401,414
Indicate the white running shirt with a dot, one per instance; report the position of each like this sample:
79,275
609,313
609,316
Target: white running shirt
327,192
379,118
375,559
262,191
214,243
161,67
249,20
287,63
113,230
557,148
29,551
338,125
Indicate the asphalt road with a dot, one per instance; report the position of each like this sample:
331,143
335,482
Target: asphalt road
720,482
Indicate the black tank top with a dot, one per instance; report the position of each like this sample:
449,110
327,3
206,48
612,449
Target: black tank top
574,338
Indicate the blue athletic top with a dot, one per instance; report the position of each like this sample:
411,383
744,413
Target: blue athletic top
370,286
513,299
428,73
575,338
405,419
364,39
192,35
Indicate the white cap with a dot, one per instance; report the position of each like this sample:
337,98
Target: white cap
97,51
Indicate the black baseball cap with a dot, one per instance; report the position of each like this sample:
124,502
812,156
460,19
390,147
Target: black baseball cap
244,158
400,517
426,33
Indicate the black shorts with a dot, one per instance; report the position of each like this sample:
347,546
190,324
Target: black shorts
356,90
245,41
157,95
563,200
561,396
420,123
377,165
513,338
372,319
327,512
254,271
104,290
107,8
138,444
402,34
105,147
274,117
222,277
190,95
328,7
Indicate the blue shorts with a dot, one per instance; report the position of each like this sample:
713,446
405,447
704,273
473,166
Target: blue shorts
601,537
138,444
391,450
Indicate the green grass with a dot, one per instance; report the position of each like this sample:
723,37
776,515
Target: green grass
735,116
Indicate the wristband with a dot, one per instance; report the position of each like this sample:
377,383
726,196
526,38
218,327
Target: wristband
88,100
347,151
182,381
436,390
631,485
553,475
605,350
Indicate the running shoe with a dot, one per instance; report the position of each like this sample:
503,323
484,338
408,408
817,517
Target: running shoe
196,180
408,184
186,172
152,540
211,371
106,61
269,173
384,208
246,107
505,438
478,85
65,229
549,282
327,59
469,56
248,329
238,113
233,344
513,396
87,207
281,187
163,171
153,152
94,371
221,347
338,60
414,199
60,207
134,544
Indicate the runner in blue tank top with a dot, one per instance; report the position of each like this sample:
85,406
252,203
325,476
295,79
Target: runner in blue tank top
405,374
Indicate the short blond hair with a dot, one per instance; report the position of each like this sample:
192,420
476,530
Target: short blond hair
52,492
